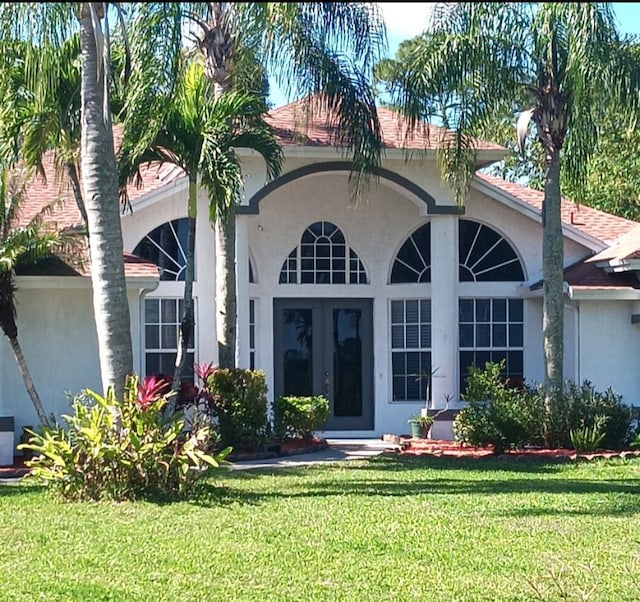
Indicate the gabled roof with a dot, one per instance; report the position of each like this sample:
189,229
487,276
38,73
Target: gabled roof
622,236
626,250
295,125
598,224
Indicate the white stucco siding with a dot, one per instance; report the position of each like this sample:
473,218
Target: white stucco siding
610,347
56,330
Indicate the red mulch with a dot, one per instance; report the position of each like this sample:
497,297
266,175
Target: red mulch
439,448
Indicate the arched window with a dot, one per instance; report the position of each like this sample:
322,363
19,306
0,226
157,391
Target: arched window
166,246
413,261
485,256
323,257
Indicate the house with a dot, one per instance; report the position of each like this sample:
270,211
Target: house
380,305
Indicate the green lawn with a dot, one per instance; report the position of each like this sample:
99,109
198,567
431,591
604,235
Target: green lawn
385,529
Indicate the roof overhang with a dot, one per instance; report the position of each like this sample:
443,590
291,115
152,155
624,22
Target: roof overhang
79,282
569,231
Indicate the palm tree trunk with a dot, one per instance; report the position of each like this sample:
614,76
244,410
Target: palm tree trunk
218,51
226,301
100,188
552,273
187,322
72,174
28,382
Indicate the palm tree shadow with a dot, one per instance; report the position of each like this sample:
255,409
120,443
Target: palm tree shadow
380,482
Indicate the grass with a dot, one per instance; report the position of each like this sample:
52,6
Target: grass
384,529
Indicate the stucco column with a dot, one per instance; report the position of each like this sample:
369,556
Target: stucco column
242,292
204,287
444,308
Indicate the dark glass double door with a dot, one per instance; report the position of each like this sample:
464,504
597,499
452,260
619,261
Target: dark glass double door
324,347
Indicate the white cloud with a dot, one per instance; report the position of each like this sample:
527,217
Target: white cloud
405,19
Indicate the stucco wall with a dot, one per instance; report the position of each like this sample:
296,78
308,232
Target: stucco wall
56,330
610,347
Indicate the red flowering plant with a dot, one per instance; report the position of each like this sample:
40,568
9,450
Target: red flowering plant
151,390
197,401
113,449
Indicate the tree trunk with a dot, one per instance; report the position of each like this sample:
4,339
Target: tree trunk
218,51
187,321
226,302
72,174
100,191
552,273
28,382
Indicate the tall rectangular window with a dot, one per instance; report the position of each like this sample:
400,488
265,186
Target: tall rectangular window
252,334
491,330
162,318
411,349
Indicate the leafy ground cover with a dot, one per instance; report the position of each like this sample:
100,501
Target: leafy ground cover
391,528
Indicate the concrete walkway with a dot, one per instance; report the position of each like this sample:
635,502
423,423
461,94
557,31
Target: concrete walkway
338,450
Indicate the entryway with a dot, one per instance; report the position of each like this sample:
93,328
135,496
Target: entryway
325,347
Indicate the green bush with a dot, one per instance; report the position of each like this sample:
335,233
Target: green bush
579,406
506,416
299,416
588,438
497,413
238,401
122,450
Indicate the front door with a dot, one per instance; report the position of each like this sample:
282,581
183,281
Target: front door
324,347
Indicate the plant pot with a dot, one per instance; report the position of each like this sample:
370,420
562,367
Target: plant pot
418,431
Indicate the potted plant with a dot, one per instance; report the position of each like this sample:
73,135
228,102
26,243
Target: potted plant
420,426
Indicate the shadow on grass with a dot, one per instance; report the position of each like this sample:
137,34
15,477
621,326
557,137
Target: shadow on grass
380,482
15,489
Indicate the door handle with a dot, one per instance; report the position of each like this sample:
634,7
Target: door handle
326,385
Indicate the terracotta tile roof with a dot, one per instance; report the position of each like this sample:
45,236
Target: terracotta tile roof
626,247
586,276
57,188
134,267
598,224
295,126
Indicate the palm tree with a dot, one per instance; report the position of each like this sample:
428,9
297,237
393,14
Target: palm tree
21,245
37,117
319,50
199,134
565,56
45,24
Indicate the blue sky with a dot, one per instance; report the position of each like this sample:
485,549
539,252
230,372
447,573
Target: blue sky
407,19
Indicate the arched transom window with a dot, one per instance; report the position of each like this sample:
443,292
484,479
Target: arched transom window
323,257
166,246
485,256
413,261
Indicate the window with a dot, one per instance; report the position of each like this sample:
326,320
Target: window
166,246
323,257
491,330
485,256
252,334
413,261
161,334
411,349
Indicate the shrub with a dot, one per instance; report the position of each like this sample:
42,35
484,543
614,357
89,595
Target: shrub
238,402
579,406
588,438
497,413
299,416
122,450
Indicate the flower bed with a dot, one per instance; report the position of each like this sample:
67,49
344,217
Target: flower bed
435,447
